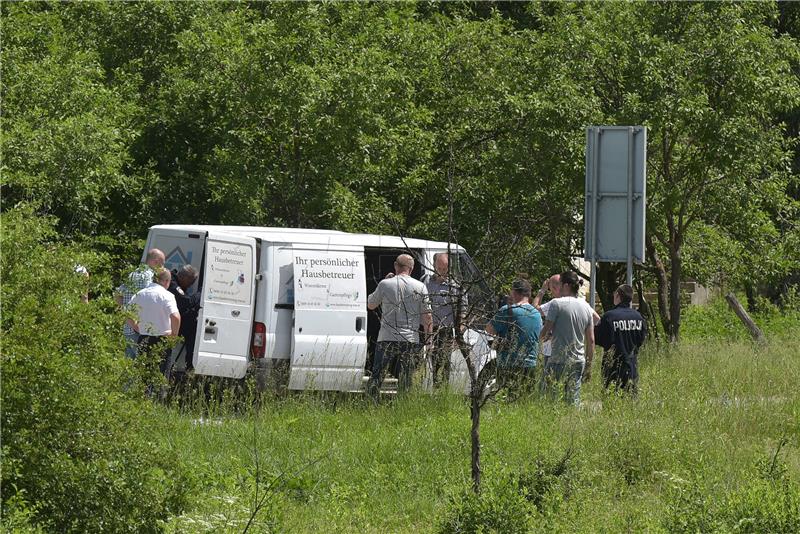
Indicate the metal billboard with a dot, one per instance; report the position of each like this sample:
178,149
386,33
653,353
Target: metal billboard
614,224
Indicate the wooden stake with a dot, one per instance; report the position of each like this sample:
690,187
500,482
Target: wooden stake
737,308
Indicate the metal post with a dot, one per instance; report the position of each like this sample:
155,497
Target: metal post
595,171
629,245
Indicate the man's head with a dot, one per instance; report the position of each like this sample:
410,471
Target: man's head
163,278
623,295
569,284
186,276
441,264
520,290
155,258
554,283
404,264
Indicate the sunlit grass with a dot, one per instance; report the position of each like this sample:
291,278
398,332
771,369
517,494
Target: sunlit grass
706,412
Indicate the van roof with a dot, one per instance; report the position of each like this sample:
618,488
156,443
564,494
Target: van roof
314,236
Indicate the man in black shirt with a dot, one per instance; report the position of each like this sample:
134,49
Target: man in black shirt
189,307
621,331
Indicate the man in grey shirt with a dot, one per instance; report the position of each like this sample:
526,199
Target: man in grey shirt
445,297
570,326
404,307
553,285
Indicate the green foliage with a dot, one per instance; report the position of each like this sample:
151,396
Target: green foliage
66,134
768,502
717,321
77,452
496,509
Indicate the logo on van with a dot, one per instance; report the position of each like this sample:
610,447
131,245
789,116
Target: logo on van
177,259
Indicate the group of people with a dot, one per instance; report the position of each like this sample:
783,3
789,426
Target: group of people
558,337
553,341
162,308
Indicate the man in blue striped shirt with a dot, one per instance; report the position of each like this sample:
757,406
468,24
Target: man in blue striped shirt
135,282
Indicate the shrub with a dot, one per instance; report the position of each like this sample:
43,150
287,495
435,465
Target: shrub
770,502
76,449
544,477
501,508
634,453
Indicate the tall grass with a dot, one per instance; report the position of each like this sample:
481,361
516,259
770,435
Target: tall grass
707,413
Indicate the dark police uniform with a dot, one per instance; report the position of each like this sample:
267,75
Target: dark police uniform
621,332
189,308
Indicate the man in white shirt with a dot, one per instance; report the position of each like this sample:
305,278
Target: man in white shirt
553,285
404,307
134,282
569,322
157,315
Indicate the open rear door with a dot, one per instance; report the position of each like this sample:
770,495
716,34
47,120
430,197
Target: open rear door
330,322
225,321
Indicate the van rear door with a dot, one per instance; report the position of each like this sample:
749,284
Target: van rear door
330,318
225,321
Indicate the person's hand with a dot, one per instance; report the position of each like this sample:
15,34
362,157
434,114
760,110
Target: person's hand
388,275
545,285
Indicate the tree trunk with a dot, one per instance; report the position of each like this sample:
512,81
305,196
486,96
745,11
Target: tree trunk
646,309
475,435
662,285
750,293
609,277
675,273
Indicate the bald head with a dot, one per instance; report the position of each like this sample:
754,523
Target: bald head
404,264
155,258
441,264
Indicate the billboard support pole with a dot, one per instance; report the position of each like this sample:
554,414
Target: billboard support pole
629,246
595,164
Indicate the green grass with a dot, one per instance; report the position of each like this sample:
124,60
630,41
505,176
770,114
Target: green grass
707,413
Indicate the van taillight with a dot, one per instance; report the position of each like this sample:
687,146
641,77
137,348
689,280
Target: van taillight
259,345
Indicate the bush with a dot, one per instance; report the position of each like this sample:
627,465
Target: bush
544,477
769,503
498,509
513,504
76,447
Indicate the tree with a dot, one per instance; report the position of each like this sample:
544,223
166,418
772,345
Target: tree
66,134
708,80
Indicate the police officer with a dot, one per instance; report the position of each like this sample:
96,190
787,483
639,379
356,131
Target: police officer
621,332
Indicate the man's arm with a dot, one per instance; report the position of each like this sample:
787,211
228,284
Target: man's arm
133,324
175,323
374,299
427,326
490,329
547,331
603,335
589,348
537,300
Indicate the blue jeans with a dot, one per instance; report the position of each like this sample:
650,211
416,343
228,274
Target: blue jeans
131,345
400,357
563,379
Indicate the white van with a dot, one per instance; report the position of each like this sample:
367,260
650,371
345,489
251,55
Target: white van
297,299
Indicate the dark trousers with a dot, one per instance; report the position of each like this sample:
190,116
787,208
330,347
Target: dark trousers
146,344
620,372
399,357
440,355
